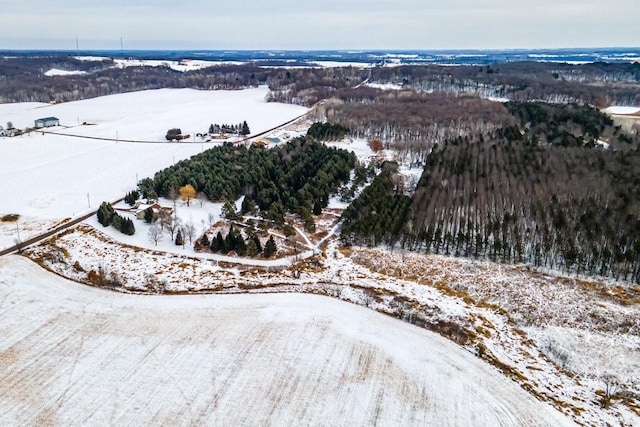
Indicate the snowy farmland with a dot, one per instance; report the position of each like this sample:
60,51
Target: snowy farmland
73,354
61,176
77,353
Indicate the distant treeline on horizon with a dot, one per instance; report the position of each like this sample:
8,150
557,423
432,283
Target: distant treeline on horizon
372,57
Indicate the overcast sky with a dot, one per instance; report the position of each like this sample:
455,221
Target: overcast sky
319,24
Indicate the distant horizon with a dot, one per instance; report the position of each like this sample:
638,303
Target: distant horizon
342,50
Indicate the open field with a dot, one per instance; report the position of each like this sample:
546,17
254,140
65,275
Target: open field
47,178
72,354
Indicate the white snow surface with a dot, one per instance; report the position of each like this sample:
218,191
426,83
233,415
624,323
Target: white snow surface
385,86
61,176
182,65
73,354
56,72
622,110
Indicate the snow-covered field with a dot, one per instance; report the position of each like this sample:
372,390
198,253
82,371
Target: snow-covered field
622,110
72,354
64,347
51,177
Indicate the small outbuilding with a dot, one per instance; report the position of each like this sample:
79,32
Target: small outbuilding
47,122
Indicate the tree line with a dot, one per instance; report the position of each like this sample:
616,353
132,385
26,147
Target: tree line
508,197
23,79
234,241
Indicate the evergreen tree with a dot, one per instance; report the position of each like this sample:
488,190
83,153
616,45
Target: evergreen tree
228,211
103,215
245,129
248,205
127,227
241,245
131,197
230,240
270,248
252,249
148,215
220,243
116,221
179,238
317,207
215,243
204,240
256,240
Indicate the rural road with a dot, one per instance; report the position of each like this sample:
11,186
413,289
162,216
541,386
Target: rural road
51,232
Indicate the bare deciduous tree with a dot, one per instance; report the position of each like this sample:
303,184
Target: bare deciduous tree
201,197
189,230
155,234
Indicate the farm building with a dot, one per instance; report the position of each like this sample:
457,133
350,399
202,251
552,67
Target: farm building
158,210
47,122
9,132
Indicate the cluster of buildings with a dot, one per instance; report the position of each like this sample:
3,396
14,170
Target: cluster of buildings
44,122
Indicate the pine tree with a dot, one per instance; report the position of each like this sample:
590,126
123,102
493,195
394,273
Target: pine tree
230,240
256,240
229,211
245,129
222,247
215,244
179,238
116,221
105,214
241,245
270,248
127,227
252,249
148,215
204,240
317,208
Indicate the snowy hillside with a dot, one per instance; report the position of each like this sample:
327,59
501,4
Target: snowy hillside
72,354
61,176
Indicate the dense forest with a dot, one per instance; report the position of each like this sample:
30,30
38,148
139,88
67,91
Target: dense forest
539,192
295,177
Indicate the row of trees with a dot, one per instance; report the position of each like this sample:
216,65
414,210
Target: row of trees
234,241
108,216
239,129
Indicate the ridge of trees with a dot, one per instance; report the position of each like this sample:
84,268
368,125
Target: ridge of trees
23,79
